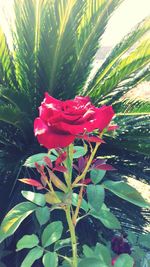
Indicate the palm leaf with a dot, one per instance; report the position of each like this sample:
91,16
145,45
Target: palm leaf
135,79
6,63
134,133
57,52
89,32
116,68
24,43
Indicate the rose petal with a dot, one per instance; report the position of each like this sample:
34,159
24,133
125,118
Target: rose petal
53,140
103,117
39,127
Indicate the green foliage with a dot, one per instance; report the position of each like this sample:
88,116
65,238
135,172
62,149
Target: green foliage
95,194
140,247
33,255
80,151
99,256
97,175
52,233
103,253
42,215
126,192
27,241
62,244
88,262
124,260
14,218
37,198
107,218
84,204
38,158
50,258
144,240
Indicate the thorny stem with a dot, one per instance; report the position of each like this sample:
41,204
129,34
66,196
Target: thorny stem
73,237
82,176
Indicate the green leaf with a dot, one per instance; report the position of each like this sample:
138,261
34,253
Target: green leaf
92,262
66,264
132,237
95,194
84,204
14,218
144,240
38,158
80,151
103,253
97,175
50,259
42,215
36,198
52,233
62,243
107,218
125,191
27,241
88,252
33,255
124,260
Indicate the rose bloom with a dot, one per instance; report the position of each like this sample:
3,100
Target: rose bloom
60,122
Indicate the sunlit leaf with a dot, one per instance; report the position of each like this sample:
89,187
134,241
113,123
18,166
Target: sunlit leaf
38,158
125,191
14,218
37,198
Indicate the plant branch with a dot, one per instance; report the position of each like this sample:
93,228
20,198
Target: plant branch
73,237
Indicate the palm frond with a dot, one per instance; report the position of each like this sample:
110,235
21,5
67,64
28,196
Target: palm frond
89,32
134,133
135,79
6,63
24,44
57,47
130,107
19,100
117,67
12,115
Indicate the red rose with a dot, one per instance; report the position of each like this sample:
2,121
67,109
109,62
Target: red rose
59,122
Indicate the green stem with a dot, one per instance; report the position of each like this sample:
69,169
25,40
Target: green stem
82,176
73,238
